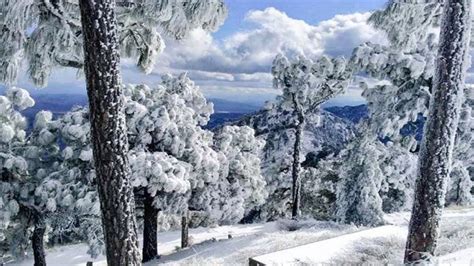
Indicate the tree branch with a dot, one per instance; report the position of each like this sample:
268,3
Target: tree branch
69,63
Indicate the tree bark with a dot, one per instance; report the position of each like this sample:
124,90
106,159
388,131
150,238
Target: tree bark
296,169
108,131
150,229
184,231
37,241
435,159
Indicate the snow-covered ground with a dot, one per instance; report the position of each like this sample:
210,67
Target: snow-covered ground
212,246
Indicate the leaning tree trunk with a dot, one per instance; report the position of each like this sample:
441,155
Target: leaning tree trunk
108,131
296,169
37,240
150,229
435,157
185,231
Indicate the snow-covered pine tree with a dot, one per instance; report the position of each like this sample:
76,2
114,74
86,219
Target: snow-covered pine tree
436,154
65,33
167,119
306,85
406,67
50,188
166,123
410,27
163,180
408,64
108,130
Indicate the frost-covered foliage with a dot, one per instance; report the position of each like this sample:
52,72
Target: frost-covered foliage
167,119
377,176
48,33
200,172
409,21
324,134
393,105
59,187
399,168
406,67
241,185
78,177
319,184
461,184
13,166
164,177
305,85
408,63
358,200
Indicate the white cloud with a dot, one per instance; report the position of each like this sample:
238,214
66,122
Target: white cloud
246,56
243,60
273,32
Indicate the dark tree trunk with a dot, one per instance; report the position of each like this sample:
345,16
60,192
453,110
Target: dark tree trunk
435,159
108,131
184,231
150,229
296,169
37,241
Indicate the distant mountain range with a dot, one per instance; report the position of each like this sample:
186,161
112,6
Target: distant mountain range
225,111
351,113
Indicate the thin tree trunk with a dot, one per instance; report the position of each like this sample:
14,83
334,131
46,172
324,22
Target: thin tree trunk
108,131
296,169
37,241
150,229
435,159
184,231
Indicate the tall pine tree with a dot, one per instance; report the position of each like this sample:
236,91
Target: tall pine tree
436,152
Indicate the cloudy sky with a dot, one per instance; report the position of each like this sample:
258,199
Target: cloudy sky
234,62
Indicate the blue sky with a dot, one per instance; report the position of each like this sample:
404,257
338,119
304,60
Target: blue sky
234,63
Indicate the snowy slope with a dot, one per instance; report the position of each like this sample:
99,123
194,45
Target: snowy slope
325,251
343,243
212,246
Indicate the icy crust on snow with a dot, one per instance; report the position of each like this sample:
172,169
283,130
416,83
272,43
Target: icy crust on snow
49,33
